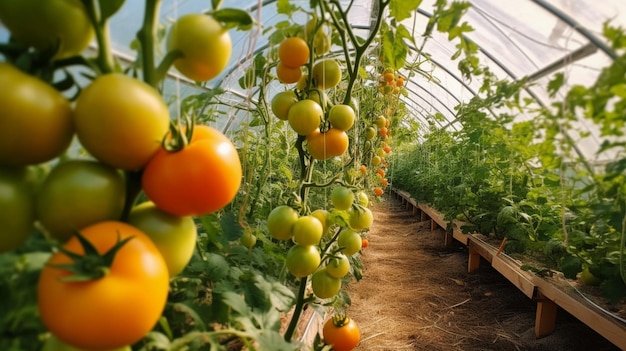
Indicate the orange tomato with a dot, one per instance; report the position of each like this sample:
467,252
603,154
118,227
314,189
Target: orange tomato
199,179
115,310
293,52
288,75
378,191
381,172
385,182
323,146
365,243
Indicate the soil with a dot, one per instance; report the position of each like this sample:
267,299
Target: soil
416,294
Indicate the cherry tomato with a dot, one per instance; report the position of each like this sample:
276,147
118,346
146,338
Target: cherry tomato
343,335
280,222
378,191
305,116
205,45
174,236
121,120
326,73
323,146
325,285
17,201
293,52
79,193
43,24
338,266
201,178
370,133
35,119
349,241
341,197
115,310
288,75
302,260
307,230
365,243
282,102
360,218
322,216
341,117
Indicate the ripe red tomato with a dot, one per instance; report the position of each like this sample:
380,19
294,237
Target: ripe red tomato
365,243
112,311
121,120
302,260
280,222
342,333
174,236
34,113
78,193
201,178
41,24
205,44
17,201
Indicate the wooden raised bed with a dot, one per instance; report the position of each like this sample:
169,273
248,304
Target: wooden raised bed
550,293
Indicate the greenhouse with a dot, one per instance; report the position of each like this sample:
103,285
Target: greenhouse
319,175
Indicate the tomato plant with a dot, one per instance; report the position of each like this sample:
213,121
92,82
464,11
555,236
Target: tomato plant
101,280
79,193
121,120
60,24
176,180
342,333
174,236
204,44
31,110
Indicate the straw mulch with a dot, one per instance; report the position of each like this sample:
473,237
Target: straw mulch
416,294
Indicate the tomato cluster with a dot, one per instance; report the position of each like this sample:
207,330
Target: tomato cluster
112,250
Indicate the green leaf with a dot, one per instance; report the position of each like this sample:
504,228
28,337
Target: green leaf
109,7
230,226
271,340
217,267
570,266
285,7
216,4
556,83
403,9
231,18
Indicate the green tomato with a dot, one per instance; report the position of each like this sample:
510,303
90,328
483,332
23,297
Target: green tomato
78,193
43,24
341,197
31,111
341,117
338,266
349,241
360,218
52,343
302,260
324,285
370,133
248,239
17,200
280,222
362,199
174,236
307,230
282,102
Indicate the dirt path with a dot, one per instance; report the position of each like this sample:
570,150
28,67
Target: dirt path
416,294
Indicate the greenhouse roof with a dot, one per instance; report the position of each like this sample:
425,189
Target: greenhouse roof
529,39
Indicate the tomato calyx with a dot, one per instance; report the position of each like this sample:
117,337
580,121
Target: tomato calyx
178,137
340,319
91,265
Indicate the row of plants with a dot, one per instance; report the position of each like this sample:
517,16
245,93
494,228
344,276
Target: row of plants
131,223
521,179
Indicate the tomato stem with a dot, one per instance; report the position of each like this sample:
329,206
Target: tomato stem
106,62
293,323
146,36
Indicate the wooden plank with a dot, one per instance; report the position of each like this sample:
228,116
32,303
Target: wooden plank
434,215
512,271
448,239
479,247
584,311
545,317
